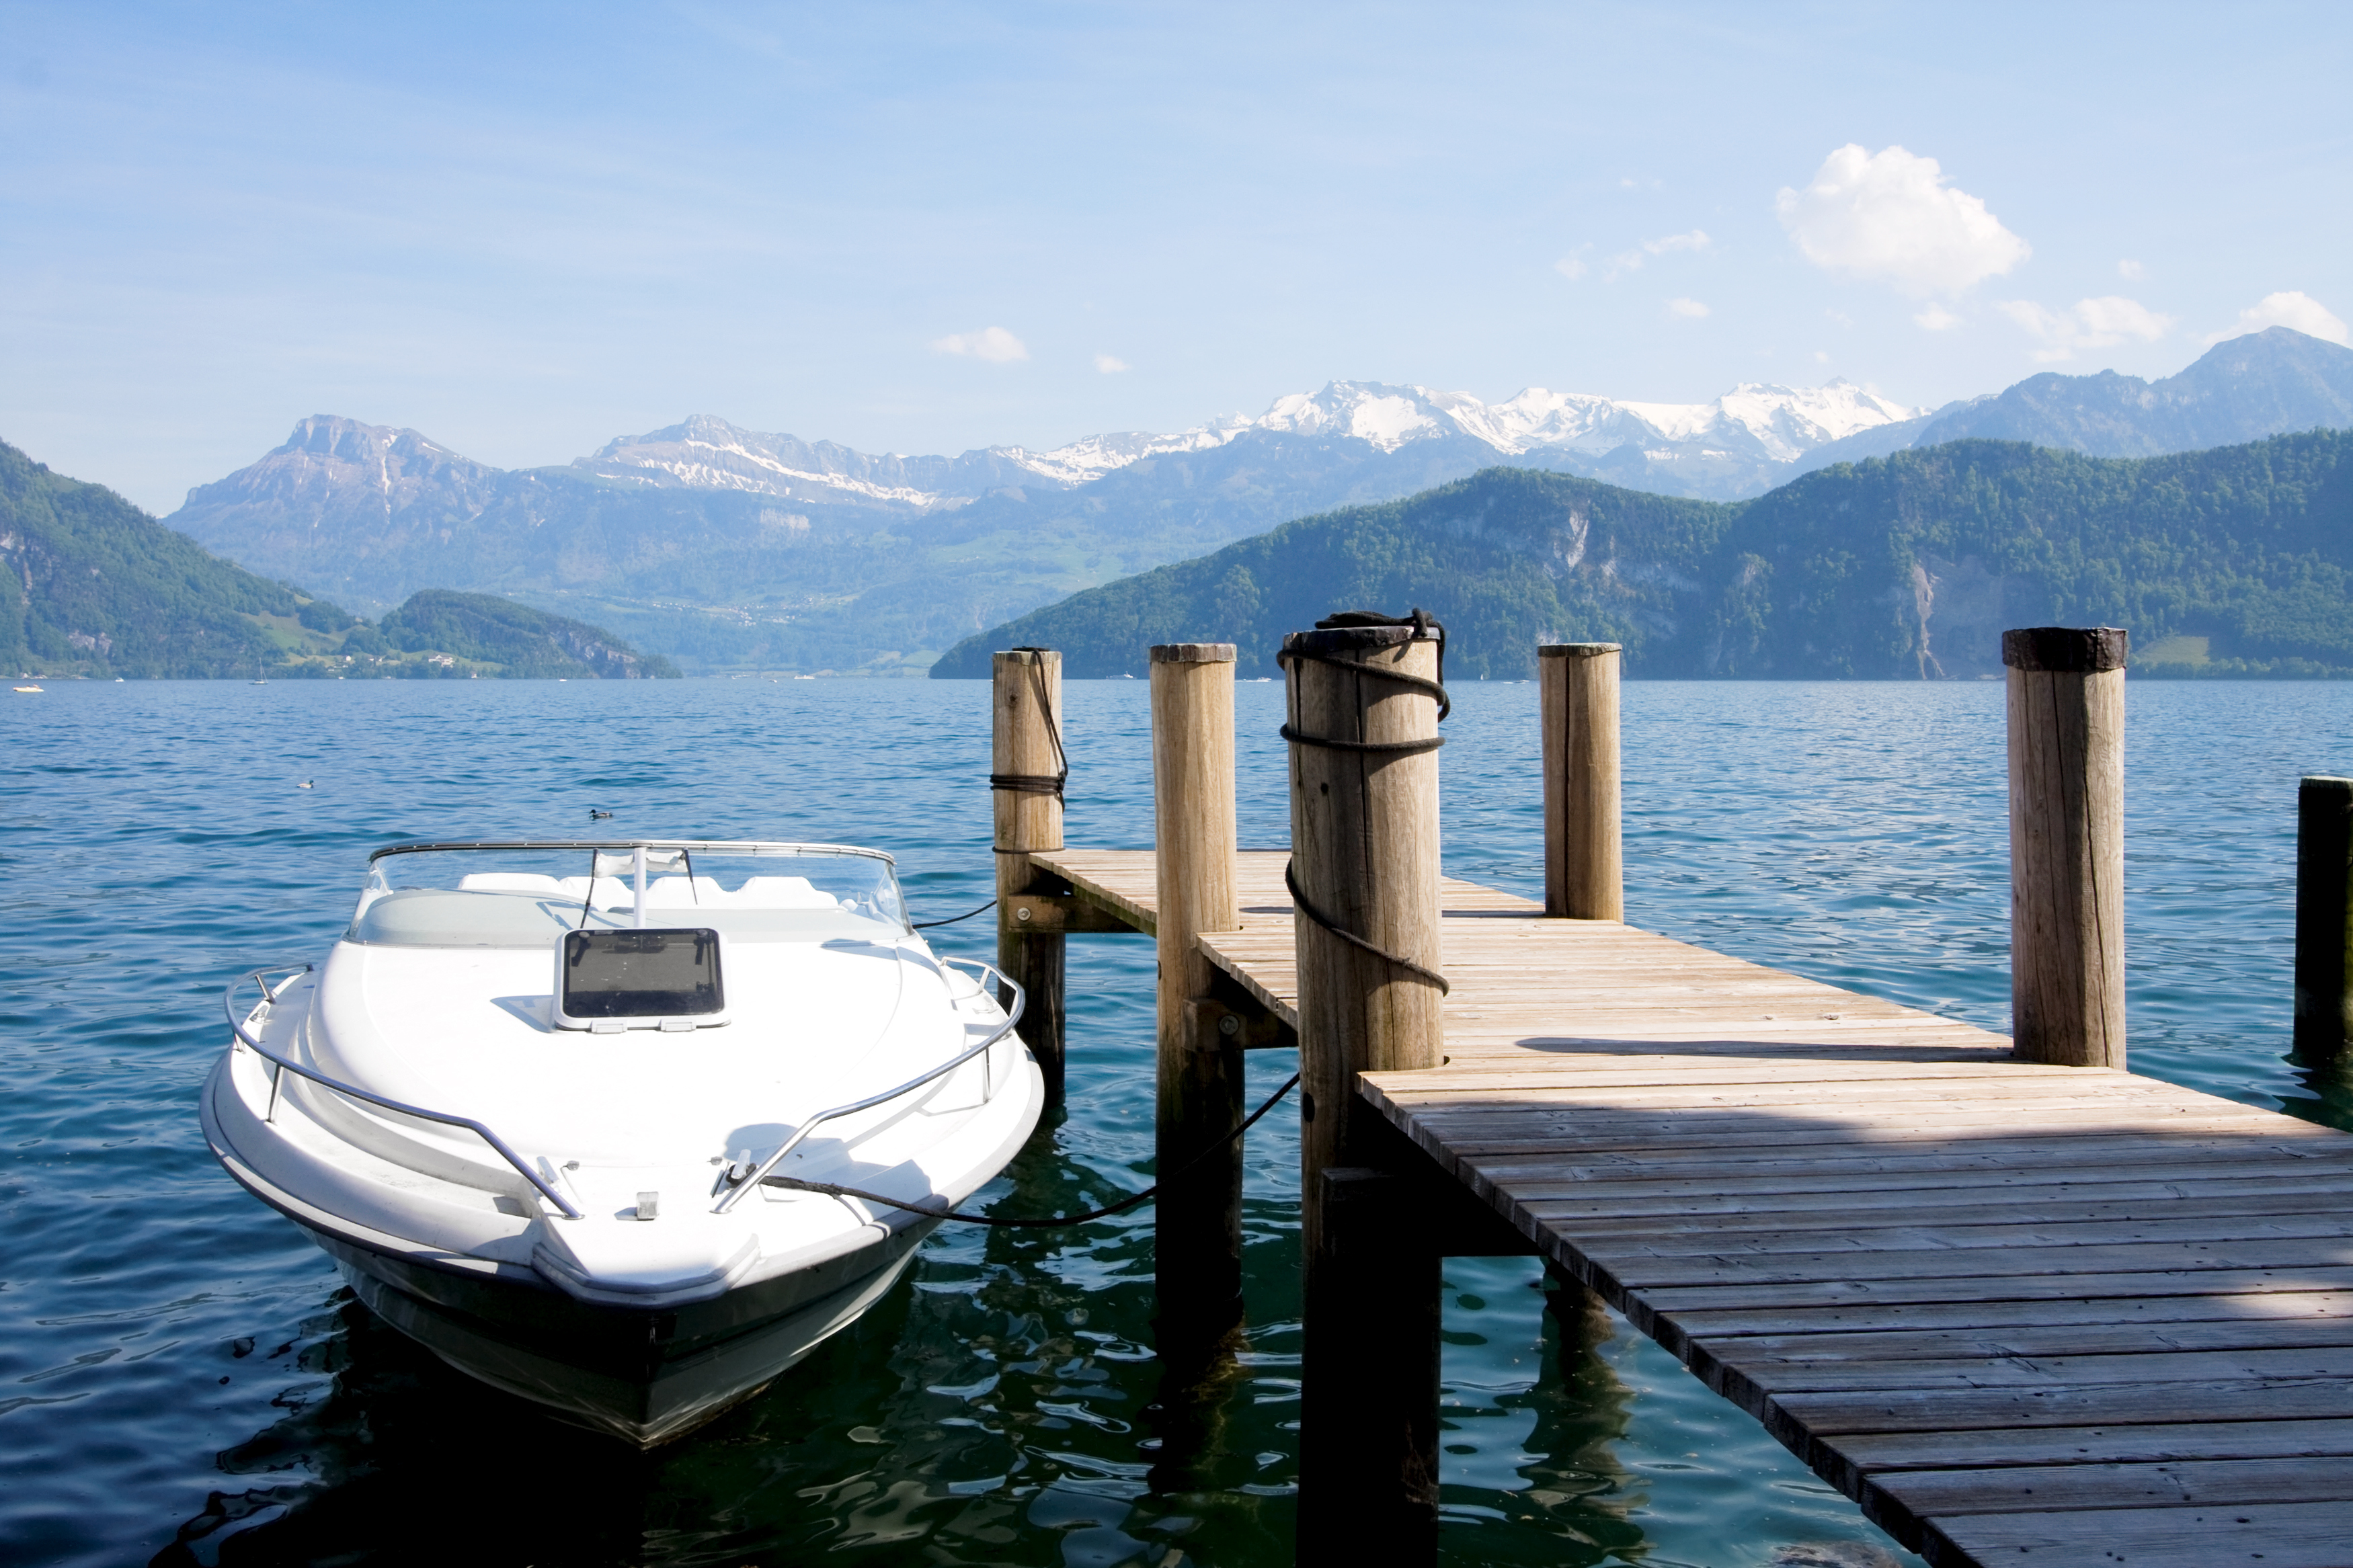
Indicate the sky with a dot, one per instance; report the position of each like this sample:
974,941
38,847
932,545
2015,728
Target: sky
526,229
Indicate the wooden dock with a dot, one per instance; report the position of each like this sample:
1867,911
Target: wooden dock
2018,1312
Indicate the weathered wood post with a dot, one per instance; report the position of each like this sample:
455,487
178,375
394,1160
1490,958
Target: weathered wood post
1027,767
2324,917
1585,876
2066,844
1363,706
1197,1235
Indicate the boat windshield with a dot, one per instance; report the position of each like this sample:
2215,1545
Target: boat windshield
528,894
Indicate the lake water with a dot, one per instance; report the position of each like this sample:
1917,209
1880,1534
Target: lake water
183,1379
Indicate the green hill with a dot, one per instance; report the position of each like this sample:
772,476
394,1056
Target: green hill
2237,560
95,587
519,641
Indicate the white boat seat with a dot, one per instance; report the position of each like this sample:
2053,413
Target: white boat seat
435,916
783,893
508,882
612,892
673,893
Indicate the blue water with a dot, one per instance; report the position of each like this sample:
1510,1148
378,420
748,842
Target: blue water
182,1378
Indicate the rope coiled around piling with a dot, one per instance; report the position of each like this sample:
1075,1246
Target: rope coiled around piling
1425,629
1038,783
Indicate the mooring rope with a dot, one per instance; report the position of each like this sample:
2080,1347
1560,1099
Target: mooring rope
1037,784
834,1190
926,926
1426,628
1291,880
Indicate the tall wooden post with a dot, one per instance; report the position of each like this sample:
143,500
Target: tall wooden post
1027,765
1197,1234
2324,917
2066,844
1364,854
1585,876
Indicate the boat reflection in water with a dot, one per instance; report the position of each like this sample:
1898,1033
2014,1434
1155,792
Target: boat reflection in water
544,1104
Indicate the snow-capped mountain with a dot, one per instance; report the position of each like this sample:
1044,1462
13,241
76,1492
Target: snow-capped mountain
1726,447
1777,423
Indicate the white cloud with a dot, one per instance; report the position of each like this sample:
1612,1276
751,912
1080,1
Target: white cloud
1821,357
2294,309
1695,240
2112,318
1572,266
1690,310
1936,318
994,344
1627,261
2131,270
1110,366
2089,324
1890,215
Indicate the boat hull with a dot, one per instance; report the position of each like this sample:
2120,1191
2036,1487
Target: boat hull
643,1375
629,1374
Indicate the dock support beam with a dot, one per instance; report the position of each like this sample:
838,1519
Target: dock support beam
1364,848
1197,1233
2066,844
1027,767
2324,917
1584,858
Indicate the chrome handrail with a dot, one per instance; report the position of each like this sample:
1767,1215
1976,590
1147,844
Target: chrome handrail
1021,1004
760,848
228,1005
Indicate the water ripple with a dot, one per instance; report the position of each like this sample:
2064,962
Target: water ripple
200,1389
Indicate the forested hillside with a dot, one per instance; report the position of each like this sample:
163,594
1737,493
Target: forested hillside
2233,561
96,586
519,641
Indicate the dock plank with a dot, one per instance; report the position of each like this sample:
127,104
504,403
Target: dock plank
2016,1311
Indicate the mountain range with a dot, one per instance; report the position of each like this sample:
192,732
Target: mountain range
90,586
2246,387
730,548
1733,445
2233,561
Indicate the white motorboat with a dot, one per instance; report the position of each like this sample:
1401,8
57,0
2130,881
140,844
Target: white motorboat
539,1101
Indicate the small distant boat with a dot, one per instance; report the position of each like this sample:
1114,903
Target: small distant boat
538,1119
27,688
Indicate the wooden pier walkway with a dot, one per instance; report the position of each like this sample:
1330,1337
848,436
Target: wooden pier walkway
2018,1312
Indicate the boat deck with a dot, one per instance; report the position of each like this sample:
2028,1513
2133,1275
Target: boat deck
2019,1313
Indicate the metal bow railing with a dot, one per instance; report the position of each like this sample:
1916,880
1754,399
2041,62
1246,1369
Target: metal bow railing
738,1185
283,1064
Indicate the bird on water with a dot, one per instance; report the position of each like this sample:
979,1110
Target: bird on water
596,816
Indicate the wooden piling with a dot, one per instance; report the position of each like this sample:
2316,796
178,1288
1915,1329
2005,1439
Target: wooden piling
2324,917
1365,857
2066,844
1583,857
1197,1235
1026,766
